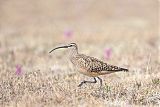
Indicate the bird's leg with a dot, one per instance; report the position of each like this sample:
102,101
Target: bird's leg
100,81
87,82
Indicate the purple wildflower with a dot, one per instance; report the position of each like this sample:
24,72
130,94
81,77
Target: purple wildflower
18,70
107,53
68,33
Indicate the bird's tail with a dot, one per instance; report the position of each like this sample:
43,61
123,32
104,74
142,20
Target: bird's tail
107,69
124,69
116,68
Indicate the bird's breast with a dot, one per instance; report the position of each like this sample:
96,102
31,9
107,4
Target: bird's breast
88,73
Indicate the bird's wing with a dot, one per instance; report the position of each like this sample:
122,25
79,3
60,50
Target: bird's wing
94,65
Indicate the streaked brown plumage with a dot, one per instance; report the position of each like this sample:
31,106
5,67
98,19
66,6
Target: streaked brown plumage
89,66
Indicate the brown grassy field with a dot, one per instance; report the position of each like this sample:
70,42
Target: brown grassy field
31,77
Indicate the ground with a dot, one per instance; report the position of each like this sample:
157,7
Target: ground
31,77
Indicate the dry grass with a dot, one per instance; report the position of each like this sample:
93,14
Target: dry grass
29,29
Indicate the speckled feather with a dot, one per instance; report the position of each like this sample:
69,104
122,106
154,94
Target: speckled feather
91,64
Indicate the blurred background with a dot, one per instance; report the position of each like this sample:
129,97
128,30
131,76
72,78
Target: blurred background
42,21
128,28
37,26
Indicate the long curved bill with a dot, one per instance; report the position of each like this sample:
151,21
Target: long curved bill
58,48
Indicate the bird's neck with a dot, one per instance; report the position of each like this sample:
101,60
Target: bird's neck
73,53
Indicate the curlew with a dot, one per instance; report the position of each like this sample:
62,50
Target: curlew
89,66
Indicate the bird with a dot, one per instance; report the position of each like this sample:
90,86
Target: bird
87,65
